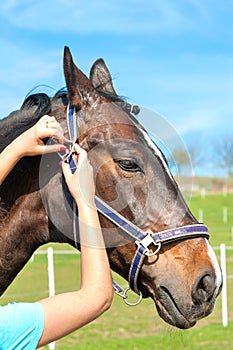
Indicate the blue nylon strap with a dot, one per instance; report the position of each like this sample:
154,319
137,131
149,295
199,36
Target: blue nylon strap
73,167
135,268
72,163
188,231
71,123
119,220
108,212
135,232
163,237
116,287
178,233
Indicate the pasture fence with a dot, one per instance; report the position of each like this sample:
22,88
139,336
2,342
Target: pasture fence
223,263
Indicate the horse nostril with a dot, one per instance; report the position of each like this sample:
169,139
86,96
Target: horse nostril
203,289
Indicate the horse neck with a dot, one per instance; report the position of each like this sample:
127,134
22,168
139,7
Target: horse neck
22,180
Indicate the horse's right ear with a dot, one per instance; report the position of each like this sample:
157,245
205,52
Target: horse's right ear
80,90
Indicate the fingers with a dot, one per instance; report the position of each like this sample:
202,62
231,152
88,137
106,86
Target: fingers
47,119
82,154
52,148
78,149
48,127
81,182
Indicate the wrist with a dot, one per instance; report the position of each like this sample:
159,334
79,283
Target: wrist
8,159
86,202
86,208
16,150
13,152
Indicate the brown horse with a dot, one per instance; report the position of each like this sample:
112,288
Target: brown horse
131,175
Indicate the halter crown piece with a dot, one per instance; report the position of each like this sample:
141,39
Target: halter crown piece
148,243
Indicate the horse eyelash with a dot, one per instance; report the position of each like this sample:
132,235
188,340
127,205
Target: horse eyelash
137,170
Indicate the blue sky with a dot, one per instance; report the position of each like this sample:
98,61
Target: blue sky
174,57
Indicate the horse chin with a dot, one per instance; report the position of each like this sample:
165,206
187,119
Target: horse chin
168,309
169,312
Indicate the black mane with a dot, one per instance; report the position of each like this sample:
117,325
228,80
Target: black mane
33,108
36,105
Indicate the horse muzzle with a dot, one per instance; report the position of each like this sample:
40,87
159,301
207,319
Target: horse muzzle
183,300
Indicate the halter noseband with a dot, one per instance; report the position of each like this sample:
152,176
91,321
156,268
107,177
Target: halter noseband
148,243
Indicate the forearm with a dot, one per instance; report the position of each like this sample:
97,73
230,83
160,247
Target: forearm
94,260
8,159
67,312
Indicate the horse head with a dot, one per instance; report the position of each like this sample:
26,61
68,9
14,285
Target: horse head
132,176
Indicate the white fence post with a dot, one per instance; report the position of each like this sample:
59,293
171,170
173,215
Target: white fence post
203,193
200,215
224,215
224,287
51,279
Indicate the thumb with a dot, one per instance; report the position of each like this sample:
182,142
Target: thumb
66,170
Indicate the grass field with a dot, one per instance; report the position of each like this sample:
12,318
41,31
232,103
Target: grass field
138,327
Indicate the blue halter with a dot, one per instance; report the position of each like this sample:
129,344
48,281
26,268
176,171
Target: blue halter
148,243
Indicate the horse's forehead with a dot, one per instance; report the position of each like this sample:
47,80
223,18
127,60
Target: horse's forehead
114,123
106,113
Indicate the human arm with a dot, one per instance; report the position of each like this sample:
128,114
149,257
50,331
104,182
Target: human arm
30,143
67,312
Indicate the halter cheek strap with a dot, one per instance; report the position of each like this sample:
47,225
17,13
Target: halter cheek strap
148,243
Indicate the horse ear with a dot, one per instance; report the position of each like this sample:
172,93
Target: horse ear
80,90
100,77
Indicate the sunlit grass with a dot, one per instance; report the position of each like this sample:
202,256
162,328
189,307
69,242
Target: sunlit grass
134,328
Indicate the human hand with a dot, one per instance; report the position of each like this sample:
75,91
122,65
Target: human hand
31,143
81,183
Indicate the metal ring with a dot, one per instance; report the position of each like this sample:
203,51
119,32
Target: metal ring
156,250
127,302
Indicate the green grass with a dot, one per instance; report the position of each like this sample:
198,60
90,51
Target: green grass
139,327
212,206
211,337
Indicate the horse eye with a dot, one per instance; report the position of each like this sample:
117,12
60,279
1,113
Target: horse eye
128,165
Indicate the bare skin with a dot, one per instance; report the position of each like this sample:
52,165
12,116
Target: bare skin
30,143
67,312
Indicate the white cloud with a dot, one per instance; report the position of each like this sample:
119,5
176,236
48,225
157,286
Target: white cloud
22,69
180,86
20,63
104,16
198,120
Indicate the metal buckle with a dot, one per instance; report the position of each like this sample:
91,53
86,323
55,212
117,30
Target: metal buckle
64,155
148,240
125,296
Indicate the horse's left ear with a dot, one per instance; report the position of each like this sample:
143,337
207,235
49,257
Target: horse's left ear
100,77
80,90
